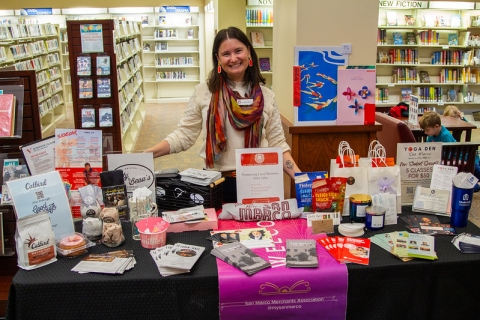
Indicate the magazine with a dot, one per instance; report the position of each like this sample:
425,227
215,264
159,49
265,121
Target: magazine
85,88
83,66
238,255
88,117
301,253
103,88
105,117
103,65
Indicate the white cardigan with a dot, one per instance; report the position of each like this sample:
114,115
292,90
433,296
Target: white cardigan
194,122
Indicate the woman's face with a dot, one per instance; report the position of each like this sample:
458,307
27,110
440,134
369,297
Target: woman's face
233,56
256,233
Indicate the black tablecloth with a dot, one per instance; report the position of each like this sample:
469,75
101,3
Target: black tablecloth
387,288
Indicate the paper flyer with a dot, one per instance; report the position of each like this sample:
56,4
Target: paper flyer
416,162
40,155
43,192
78,159
259,175
137,169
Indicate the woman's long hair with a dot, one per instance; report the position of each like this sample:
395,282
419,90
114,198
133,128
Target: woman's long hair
252,74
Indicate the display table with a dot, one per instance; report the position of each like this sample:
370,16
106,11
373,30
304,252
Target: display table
386,289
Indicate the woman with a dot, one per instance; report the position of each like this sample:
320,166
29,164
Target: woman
231,111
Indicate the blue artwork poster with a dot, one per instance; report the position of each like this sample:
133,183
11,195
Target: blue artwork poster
318,85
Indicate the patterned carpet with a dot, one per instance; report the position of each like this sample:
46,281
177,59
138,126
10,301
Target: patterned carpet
162,119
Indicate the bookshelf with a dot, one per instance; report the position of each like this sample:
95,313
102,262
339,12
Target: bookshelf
259,20
172,51
67,83
435,41
37,47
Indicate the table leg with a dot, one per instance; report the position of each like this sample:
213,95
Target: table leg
468,135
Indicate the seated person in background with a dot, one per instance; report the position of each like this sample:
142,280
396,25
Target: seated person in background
452,111
431,124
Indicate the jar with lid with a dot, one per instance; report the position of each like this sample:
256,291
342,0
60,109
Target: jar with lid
112,233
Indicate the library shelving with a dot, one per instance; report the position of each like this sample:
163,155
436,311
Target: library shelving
37,47
259,27
67,83
429,52
172,45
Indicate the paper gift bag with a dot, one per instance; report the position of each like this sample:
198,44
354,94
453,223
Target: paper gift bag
356,176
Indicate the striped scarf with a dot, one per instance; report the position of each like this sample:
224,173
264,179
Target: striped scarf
247,118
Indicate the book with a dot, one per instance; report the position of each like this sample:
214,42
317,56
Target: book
257,39
9,167
383,57
144,20
429,200
411,38
83,66
146,47
88,117
455,21
239,256
103,65
424,77
397,38
116,197
409,20
453,39
162,20
441,22
105,118
264,64
103,88
452,95
406,94
7,114
428,20
163,46
182,256
85,88
190,34
301,253
391,18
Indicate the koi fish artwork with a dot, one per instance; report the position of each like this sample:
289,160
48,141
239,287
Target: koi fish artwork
322,105
324,76
315,95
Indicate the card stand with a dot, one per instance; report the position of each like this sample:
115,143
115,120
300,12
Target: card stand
174,194
75,252
15,86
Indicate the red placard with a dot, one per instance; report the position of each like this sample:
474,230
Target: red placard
259,159
296,86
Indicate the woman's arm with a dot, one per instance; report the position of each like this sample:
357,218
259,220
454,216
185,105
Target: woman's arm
160,149
289,165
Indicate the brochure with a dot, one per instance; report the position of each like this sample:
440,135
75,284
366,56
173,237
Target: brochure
431,200
184,215
241,257
251,238
182,256
414,245
40,155
161,253
301,253
356,250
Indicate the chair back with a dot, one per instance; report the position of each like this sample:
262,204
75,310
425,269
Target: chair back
460,155
394,131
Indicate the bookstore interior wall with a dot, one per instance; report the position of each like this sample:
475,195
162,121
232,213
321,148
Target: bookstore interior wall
432,53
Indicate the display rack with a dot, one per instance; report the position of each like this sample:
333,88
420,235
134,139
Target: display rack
172,45
433,42
37,47
259,22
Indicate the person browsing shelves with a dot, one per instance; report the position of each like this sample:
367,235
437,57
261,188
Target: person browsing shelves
431,124
231,110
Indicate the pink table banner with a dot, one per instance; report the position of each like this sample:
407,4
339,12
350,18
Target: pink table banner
282,292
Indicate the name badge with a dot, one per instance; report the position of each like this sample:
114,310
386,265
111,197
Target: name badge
244,102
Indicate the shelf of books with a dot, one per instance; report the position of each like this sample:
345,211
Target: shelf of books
431,53
259,22
67,83
172,43
37,47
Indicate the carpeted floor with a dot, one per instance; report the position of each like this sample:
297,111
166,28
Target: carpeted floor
162,119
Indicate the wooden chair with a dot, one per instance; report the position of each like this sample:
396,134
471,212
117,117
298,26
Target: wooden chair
394,131
460,155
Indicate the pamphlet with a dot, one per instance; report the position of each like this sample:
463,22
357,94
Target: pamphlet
431,200
414,245
301,253
356,250
40,155
182,256
241,257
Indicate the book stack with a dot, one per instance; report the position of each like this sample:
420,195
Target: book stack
347,249
116,262
241,257
407,245
200,177
467,243
176,259
301,253
252,238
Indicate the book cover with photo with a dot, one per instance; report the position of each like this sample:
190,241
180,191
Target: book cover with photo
257,39
453,39
88,117
239,256
84,65
301,253
424,77
355,89
85,88
105,117
397,38
409,20
182,256
103,65
411,38
103,88
406,94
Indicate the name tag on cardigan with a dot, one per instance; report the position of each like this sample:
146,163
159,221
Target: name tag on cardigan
244,102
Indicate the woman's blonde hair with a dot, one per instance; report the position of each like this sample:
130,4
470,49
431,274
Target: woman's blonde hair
451,111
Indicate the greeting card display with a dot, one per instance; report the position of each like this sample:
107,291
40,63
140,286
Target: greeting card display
88,117
85,88
84,65
103,65
104,88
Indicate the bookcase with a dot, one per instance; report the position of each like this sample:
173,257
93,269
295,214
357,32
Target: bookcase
172,44
259,28
430,52
37,47
67,83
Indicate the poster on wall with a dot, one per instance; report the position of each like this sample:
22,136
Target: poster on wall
416,161
91,38
318,84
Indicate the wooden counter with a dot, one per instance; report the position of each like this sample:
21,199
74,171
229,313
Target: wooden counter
314,146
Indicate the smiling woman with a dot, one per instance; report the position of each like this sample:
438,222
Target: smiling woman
233,110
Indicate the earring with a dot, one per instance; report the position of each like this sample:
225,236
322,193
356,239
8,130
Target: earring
250,61
219,67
